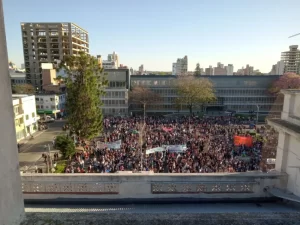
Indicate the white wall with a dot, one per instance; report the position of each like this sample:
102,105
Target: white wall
53,102
288,149
29,108
11,198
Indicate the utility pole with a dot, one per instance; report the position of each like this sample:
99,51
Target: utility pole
141,134
50,161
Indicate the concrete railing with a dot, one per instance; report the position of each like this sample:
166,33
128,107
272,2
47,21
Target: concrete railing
150,186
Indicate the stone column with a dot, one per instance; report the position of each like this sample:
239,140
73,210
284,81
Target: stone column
11,197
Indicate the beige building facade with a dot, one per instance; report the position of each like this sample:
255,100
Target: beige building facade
50,43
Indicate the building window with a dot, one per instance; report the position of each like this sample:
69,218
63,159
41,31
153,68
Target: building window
27,117
37,99
51,99
33,115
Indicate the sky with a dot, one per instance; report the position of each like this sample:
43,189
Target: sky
157,32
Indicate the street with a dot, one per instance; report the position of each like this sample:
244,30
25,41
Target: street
31,150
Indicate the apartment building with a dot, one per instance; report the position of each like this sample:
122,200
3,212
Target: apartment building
180,67
209,71
291,60
50,104
115,102
112,61
229,70
17,77
278,68
26,119
50,43
238,93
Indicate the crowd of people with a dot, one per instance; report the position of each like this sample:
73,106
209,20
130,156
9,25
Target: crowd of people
209,146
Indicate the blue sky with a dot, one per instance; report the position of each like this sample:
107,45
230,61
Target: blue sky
157,32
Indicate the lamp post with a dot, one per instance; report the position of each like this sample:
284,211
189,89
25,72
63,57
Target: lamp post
257,113
141,144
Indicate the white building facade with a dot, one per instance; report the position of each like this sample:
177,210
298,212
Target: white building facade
51,104
280,68
25,106
291,60
288,149
229,70
180,67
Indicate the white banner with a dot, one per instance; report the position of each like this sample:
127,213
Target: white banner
112,145
153,150
175,148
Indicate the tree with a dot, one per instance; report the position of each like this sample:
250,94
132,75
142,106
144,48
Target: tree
59,79
85,85
197,70
144,96
194,91
286,81
23,89
65,145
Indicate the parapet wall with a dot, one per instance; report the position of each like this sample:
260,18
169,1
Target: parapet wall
149,186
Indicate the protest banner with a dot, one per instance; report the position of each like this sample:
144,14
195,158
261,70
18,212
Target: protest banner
271,161
240,140
175,148
166,129
114,145
153,150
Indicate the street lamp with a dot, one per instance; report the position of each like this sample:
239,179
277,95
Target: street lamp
141,144
257,113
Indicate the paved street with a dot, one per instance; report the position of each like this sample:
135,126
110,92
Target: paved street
31,151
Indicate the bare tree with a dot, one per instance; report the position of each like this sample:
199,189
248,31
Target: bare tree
144,96
194,91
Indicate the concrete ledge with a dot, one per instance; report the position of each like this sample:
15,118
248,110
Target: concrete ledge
288,127
143,187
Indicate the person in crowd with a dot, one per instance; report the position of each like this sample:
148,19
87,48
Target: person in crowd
209,142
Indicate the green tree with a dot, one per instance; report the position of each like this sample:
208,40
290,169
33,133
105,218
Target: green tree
59,79
85,85
65,145
23,89
194,91
197,70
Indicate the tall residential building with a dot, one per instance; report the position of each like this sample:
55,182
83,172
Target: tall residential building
112,61
278,68
291,60
249,70
114,57
209,71
50,43
141,69
219,70
180,67
229,69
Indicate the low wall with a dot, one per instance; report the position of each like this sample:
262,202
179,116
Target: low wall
150,186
